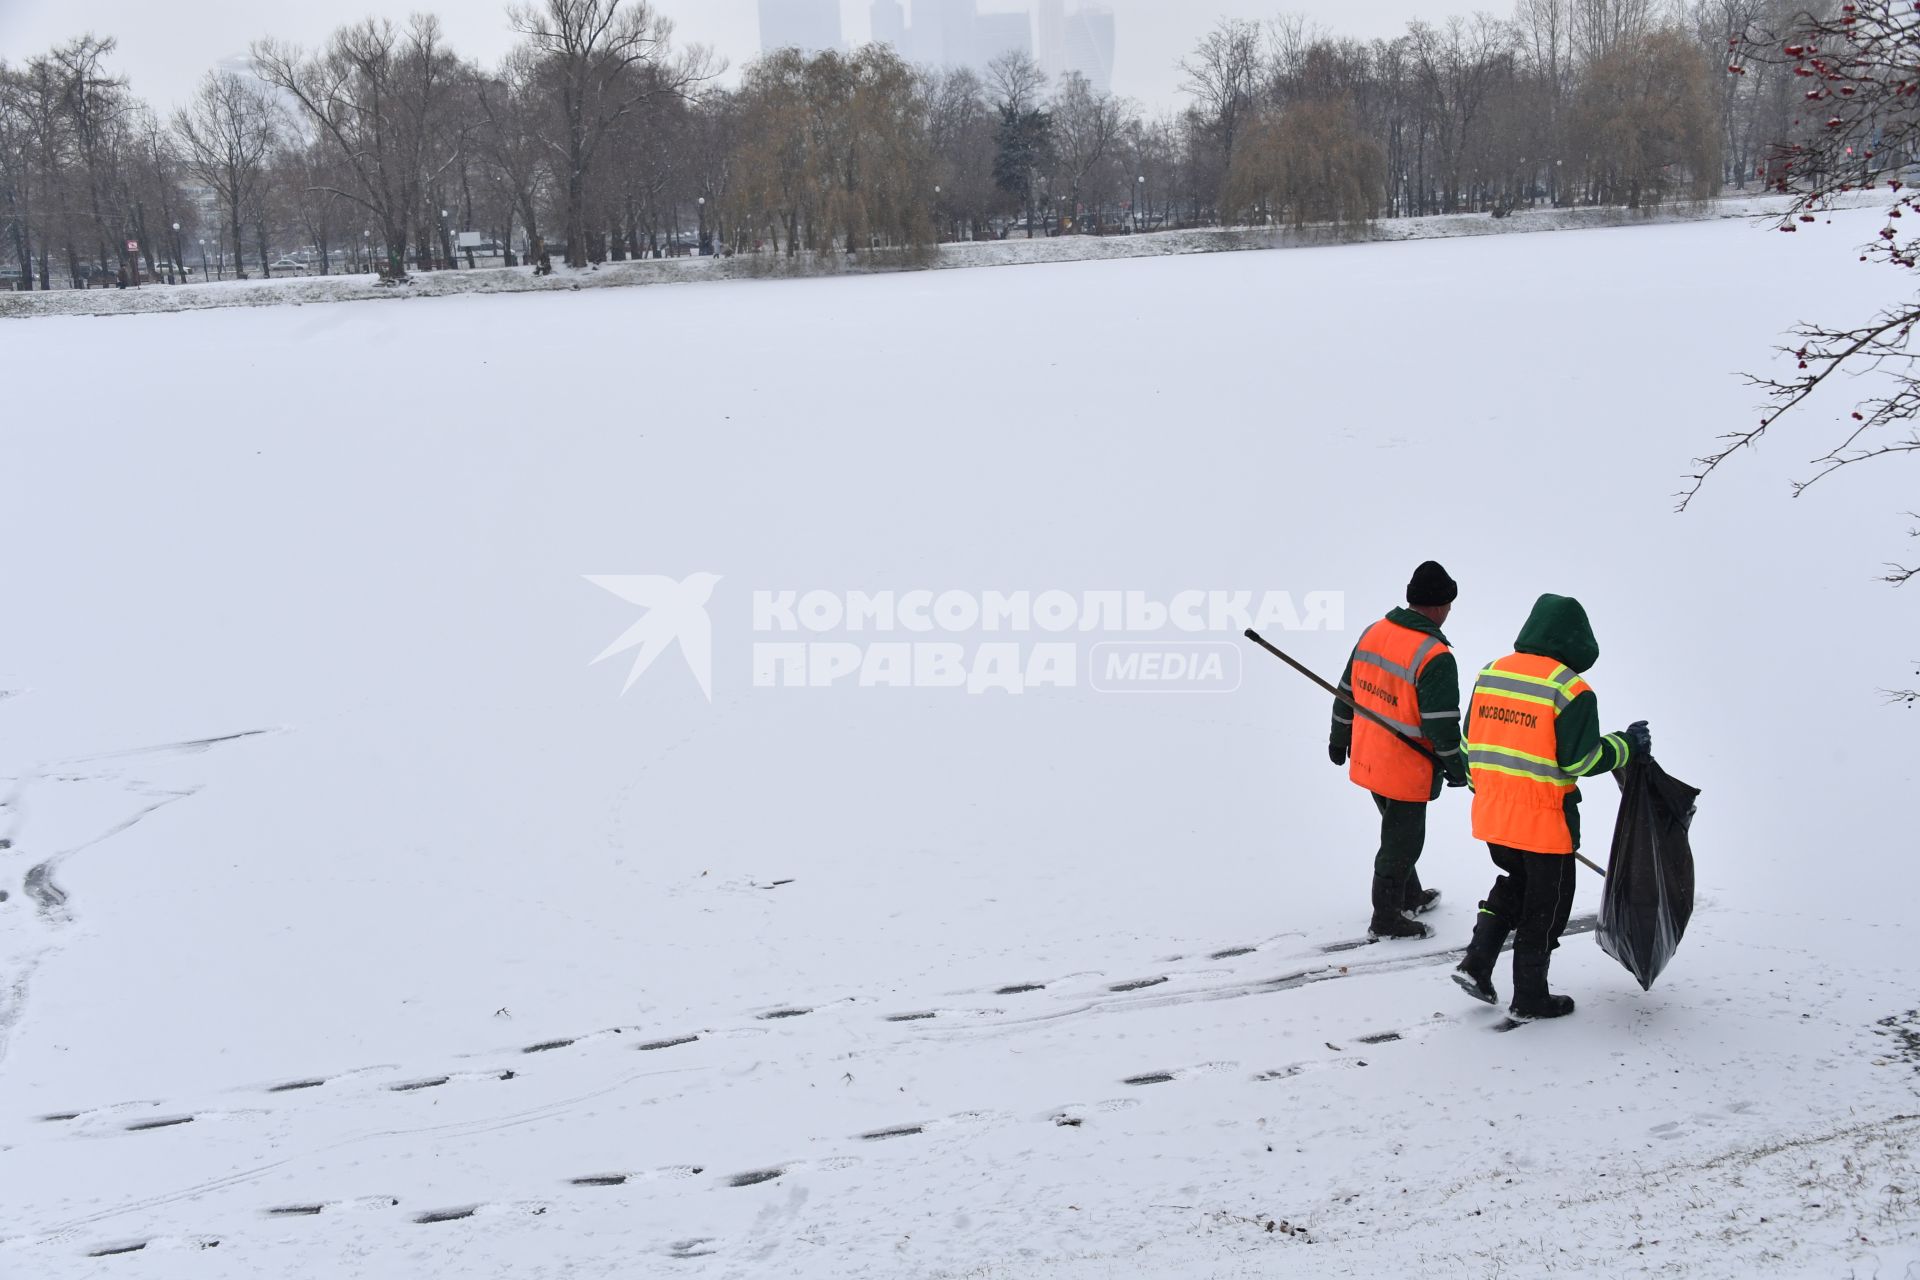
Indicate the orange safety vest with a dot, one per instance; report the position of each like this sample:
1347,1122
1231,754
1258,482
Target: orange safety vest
1386,674
1513,748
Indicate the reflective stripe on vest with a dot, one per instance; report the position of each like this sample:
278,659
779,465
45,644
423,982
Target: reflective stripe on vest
1386,674
1513,749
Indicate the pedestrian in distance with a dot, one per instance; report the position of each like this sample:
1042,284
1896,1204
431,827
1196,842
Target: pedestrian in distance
1404,673
1533,730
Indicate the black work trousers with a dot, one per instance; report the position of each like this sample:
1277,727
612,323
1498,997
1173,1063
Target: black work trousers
1533,900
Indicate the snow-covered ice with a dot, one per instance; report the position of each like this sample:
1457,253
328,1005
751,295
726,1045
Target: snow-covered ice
381,936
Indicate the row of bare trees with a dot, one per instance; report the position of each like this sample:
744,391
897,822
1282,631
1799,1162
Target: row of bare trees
84,169
376,145
601,135
1632,102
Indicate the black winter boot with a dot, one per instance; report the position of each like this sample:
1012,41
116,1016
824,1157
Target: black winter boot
1389,920
1419,901
1531,999
1474,973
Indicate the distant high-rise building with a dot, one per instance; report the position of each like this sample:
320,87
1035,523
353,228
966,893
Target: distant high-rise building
811,26
890,24
1089,48
995,34
954,33
1052,36
957,22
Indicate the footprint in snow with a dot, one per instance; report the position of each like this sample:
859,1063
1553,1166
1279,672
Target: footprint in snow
672,1173
433,1216
1181,1073
654,1046
1076,1114
1137,984
163,1122
296,1086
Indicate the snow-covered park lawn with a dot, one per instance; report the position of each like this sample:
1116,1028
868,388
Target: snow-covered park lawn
358,925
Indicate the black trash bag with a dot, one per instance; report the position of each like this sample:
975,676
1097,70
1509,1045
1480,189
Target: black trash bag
1649,895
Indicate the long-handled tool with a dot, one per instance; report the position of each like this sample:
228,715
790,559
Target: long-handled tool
1348,702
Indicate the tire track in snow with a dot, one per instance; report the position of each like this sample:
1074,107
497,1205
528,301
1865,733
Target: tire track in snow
38,885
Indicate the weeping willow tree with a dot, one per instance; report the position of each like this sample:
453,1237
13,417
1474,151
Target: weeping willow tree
1312,162
1647,123
835,152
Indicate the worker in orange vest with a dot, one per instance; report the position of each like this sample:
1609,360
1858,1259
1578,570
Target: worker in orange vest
1533,730
1403,672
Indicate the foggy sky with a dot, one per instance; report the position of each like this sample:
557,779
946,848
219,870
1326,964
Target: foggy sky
166,45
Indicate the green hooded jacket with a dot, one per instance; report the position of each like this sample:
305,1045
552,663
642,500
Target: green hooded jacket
1558,629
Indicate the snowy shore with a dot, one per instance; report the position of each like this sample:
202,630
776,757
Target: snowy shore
304,290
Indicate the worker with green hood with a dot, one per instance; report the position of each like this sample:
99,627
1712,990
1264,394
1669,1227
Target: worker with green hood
1533,730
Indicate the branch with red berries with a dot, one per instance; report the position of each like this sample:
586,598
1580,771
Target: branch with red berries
1860,67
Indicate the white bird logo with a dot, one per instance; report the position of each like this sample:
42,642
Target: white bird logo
675,611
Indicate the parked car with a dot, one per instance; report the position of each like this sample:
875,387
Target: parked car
291,267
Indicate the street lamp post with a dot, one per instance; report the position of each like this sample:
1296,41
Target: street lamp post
1139,194
366,248
701,248
203,259
446,239
936,213
176,270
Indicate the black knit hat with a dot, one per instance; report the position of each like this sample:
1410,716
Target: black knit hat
1431,587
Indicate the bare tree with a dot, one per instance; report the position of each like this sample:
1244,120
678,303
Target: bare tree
1223,74
93,102
228,131
511,105
17,185
38,91
305,177
1545,32
1087,125
605,60
962,127
371,95
1023,136
1602,26
1015,80
153,176
1457,67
